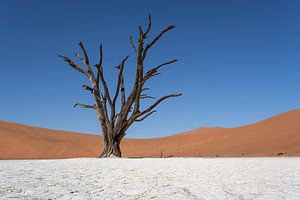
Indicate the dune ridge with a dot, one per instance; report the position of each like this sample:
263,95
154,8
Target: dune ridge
276,136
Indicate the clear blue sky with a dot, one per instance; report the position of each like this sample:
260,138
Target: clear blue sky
239,61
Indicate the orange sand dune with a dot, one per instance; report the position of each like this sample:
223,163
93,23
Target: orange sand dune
279,135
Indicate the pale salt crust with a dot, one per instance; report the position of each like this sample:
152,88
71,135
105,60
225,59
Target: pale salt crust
166,178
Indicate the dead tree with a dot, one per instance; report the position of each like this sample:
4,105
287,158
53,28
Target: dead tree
114,122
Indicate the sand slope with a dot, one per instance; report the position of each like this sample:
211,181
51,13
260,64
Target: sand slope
277,135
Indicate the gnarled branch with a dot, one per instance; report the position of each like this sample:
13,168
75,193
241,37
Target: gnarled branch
149,109
86,58
153,72
144,117
74,65
149,45
84,105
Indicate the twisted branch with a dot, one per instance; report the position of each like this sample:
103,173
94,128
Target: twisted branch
84,106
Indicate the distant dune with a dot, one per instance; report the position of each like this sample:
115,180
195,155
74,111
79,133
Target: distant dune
276,136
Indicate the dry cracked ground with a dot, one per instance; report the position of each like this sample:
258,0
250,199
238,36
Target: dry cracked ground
165,178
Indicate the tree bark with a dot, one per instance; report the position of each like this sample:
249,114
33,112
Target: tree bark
111,146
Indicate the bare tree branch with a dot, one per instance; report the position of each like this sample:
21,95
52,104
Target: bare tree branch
149,26
144,96
141,30
144,34
132,45
136,92
153,71
149,45
99,65
73,65
120,85
157,102
144,89
84,105
123,97
120,78
166,63
144,117
86,58
100,76
85,87
78,55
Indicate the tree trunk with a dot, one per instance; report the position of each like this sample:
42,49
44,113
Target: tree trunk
111,147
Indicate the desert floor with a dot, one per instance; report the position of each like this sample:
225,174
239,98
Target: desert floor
151,178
